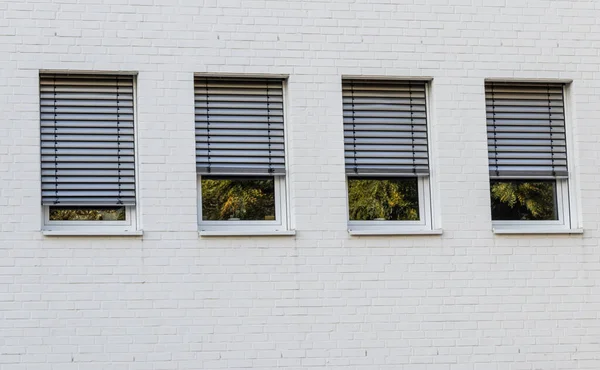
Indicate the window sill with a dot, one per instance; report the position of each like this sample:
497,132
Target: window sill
540,230
208,233
395,231
91,232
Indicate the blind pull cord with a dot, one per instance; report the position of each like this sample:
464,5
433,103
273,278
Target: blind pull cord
353,127
56,201
412,127
119,200
497,170
271,170
550,127
207,124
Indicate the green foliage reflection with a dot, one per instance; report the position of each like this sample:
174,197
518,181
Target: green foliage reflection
87,214
523,200
389,199
244,199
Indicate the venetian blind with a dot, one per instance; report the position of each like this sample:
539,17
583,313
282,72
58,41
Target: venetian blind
526,130
385,128
87,140
239,126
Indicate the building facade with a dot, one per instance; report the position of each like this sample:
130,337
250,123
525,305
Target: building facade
309,286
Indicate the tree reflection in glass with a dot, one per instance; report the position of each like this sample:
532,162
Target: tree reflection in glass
523,200
87,213
390,199
238,198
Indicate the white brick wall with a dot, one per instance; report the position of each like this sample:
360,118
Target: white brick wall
465,300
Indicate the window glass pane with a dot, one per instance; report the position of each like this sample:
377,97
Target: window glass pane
377,199
236,199
87,214
523,200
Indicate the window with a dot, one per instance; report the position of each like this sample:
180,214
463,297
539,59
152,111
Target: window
240,154
87,151
386,154
527,153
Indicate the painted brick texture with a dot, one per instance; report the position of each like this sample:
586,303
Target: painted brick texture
464,300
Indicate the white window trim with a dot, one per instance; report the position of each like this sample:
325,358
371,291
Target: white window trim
428,224
92,232
125,225
562,211
423,226
566,200
129,227
280,226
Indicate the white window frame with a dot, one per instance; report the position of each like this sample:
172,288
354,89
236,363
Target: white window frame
562,211
425,212
130,225
426,224
280,224
565,201
126,225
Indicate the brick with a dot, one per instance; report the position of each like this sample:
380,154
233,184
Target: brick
465,300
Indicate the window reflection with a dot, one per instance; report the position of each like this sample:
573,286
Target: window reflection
523,200
87,214
379,199
237,199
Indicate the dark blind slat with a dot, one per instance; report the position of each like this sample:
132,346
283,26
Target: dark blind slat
385,128
239,126
87,140
526,130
